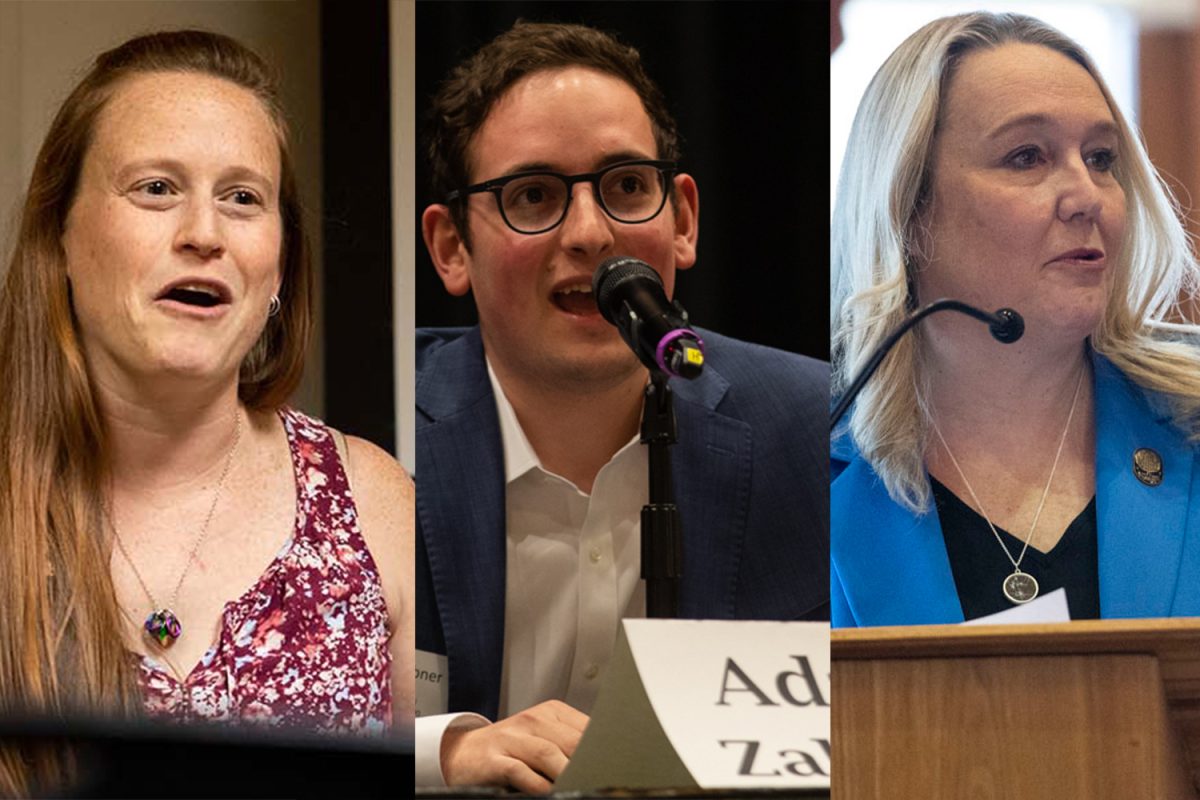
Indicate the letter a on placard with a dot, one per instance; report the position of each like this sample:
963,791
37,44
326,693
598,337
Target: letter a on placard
747,685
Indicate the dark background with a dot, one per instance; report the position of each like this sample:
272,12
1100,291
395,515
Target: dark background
748,84
357,225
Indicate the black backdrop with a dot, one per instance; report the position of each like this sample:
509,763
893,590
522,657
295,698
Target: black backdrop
748,85
356,292
747,82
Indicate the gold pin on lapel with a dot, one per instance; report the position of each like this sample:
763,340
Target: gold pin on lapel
1148,466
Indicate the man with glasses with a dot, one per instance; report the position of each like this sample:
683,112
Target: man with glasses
553,151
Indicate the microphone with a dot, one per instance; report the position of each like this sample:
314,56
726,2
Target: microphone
1006,326
630,295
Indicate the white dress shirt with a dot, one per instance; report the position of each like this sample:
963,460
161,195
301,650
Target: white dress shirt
573,572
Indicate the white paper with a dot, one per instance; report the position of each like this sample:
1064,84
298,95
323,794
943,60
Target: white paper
1047,608
777,736
433,687
624,745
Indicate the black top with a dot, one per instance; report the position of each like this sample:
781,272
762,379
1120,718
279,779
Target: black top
980,566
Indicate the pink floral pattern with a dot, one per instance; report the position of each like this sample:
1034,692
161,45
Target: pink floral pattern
307,645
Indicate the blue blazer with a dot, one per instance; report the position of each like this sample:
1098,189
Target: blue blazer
750,473
1148,536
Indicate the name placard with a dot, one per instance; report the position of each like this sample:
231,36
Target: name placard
710,704
433,689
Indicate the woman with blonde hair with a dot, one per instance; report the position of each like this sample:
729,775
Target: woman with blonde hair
989,163
175,539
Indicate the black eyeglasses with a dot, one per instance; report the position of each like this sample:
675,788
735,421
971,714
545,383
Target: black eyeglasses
535,202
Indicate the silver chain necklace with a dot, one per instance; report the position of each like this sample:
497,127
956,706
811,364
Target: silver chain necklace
1019,587
163,625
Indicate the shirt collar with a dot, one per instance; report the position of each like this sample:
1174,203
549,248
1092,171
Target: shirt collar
519,455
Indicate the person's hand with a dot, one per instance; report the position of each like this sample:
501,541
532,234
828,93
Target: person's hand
526,751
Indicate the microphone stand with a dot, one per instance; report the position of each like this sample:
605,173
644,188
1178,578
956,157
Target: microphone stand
662,531
1006,326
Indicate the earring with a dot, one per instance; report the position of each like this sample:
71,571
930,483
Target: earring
274,306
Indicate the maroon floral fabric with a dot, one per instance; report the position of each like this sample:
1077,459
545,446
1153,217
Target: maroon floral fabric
306,646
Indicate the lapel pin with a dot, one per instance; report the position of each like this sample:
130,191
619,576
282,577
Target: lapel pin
1147,466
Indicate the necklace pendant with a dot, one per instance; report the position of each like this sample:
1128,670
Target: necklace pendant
164,627
1020,587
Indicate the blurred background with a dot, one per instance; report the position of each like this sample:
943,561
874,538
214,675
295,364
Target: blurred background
745,81
746,84
1147,50
346,75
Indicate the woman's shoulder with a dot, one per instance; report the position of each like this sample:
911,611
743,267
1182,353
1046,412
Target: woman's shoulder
842,451
382,489
375,474
385,499
1126,407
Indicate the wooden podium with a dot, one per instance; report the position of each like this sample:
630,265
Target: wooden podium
1092,709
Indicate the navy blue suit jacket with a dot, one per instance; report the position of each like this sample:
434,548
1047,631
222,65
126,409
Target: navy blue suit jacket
750,471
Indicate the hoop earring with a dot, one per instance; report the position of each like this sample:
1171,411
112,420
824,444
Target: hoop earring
274,306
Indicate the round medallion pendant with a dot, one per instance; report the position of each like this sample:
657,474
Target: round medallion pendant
164,627
1020,587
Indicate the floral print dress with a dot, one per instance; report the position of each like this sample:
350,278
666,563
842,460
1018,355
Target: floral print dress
306,646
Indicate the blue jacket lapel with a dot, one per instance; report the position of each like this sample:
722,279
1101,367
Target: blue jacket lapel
891,564
1141,528
459,447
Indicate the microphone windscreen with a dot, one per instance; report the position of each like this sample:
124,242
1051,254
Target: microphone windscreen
615,272
1010,328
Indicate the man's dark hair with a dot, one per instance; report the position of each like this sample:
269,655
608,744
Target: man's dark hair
464,100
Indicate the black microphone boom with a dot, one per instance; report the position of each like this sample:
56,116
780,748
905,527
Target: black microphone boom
630,295
1006,326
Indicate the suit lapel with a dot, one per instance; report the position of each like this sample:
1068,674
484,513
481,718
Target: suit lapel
464,534
1140,528
711,469
892,563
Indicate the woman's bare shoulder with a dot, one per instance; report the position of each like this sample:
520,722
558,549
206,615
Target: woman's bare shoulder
375,471
384,495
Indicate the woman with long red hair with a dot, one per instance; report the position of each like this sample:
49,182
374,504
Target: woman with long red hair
175,539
